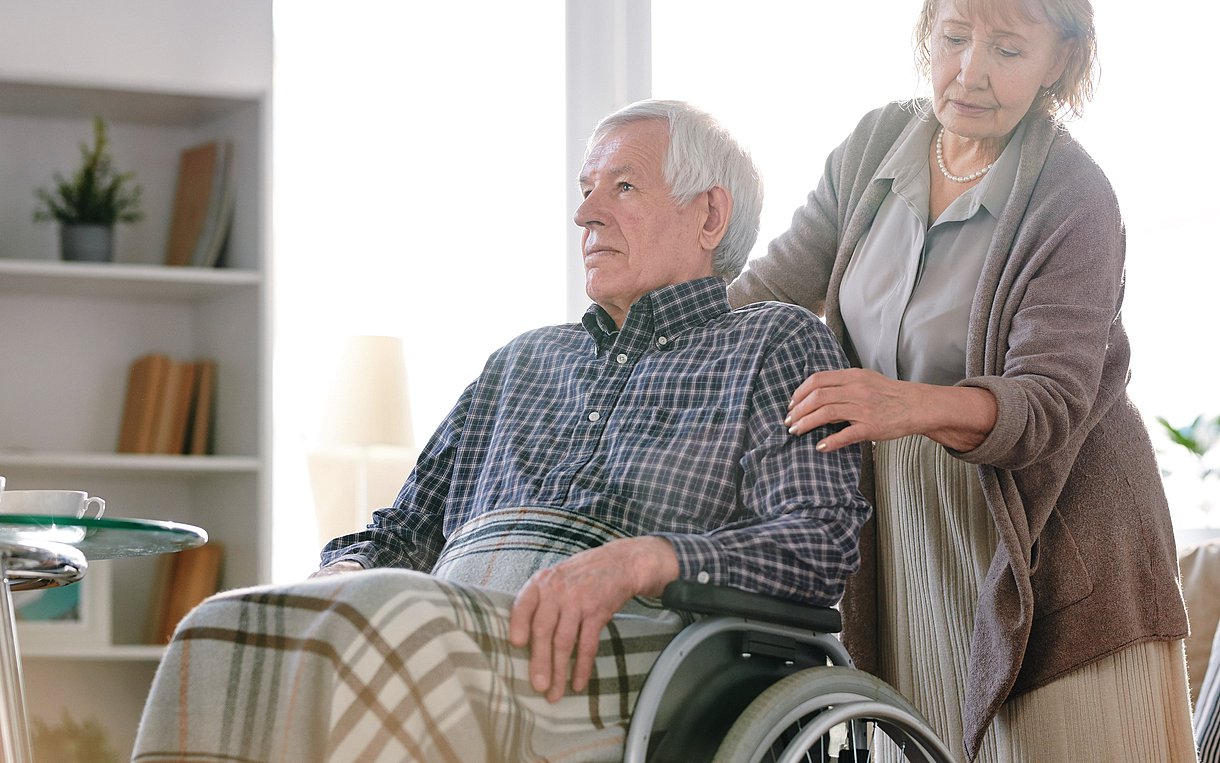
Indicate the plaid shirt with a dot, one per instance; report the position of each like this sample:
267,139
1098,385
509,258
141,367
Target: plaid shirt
670,427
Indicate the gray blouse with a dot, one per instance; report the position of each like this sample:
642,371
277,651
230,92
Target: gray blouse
907,291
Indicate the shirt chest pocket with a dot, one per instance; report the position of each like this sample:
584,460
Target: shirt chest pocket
674,454
677,424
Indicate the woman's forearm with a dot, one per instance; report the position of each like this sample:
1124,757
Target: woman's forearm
959,418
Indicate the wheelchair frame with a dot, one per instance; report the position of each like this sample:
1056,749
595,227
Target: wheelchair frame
743,645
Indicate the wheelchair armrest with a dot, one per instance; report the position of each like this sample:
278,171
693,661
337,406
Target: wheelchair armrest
707,599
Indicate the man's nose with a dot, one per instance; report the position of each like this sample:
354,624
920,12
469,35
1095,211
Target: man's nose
589,212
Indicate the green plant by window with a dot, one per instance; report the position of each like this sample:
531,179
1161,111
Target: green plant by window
1198,437
96,194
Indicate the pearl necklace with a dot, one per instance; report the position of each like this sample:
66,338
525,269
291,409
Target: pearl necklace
940,160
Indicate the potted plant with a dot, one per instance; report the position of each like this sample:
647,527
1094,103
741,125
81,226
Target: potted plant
89,204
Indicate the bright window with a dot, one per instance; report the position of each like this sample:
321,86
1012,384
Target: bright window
419,192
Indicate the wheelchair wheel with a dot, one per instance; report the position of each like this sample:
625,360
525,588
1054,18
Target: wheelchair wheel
830,714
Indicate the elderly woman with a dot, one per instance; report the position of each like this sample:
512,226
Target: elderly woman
1021,583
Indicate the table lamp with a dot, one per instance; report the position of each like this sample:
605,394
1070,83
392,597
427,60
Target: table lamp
365,445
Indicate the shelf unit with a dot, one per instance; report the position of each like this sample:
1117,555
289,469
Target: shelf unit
164,76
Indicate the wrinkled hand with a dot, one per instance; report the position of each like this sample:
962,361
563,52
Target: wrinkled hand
874,406
336,568
564,608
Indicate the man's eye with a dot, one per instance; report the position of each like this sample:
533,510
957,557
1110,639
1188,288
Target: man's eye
954,40
1008,52
625,186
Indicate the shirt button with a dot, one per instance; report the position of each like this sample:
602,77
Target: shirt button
594,416
622,358
662,340
703,577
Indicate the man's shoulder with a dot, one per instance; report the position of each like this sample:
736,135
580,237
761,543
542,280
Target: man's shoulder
795,329
559,336
782,316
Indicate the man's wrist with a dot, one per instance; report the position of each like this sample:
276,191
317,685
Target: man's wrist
339,566
654,564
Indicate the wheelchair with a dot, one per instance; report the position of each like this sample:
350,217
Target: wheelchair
756,678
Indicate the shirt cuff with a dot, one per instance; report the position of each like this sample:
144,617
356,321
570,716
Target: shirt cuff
361,560
698,558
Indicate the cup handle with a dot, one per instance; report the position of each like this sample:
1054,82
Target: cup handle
97,502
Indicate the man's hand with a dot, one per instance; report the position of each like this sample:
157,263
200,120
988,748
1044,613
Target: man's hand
336,568
565,607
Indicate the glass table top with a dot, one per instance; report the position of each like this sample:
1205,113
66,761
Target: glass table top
104,538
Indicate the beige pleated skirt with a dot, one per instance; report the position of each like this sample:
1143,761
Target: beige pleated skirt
935,541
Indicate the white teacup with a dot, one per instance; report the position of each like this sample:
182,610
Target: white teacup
74,503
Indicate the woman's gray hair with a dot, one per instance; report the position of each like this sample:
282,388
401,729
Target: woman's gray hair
700,156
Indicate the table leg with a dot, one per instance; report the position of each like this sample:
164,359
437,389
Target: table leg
14,724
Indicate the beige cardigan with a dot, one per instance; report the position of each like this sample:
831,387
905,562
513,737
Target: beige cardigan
1086,561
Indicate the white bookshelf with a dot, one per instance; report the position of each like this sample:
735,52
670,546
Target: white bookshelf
165,75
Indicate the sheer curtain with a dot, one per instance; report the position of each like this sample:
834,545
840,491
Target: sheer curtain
419,193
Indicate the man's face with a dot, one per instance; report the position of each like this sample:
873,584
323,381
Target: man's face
636,237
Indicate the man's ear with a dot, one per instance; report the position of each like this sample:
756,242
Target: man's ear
716,224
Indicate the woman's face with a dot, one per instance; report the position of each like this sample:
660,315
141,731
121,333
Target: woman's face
986,73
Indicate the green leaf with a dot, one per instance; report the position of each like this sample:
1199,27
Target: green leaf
96,193
1197,437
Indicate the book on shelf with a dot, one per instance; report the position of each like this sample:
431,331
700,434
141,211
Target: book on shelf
203,205
220,211
145,382
203,410
183,580
170,419
196,170
169,406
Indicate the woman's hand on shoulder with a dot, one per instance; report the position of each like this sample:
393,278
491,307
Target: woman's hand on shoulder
876,407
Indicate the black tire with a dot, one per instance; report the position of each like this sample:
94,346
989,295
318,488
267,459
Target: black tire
763,732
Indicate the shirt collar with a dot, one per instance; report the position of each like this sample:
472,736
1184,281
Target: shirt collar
667,311
907,167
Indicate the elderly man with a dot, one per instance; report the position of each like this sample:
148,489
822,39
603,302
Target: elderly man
505,607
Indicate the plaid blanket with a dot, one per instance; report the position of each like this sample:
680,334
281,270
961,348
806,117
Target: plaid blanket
501,549
392,665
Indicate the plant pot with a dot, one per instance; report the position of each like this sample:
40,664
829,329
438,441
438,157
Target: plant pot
86,243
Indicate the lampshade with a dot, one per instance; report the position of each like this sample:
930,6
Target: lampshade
365,446
368,403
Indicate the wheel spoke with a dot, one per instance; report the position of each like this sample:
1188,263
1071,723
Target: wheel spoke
830,714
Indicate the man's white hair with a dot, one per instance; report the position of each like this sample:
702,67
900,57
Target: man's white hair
701,155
